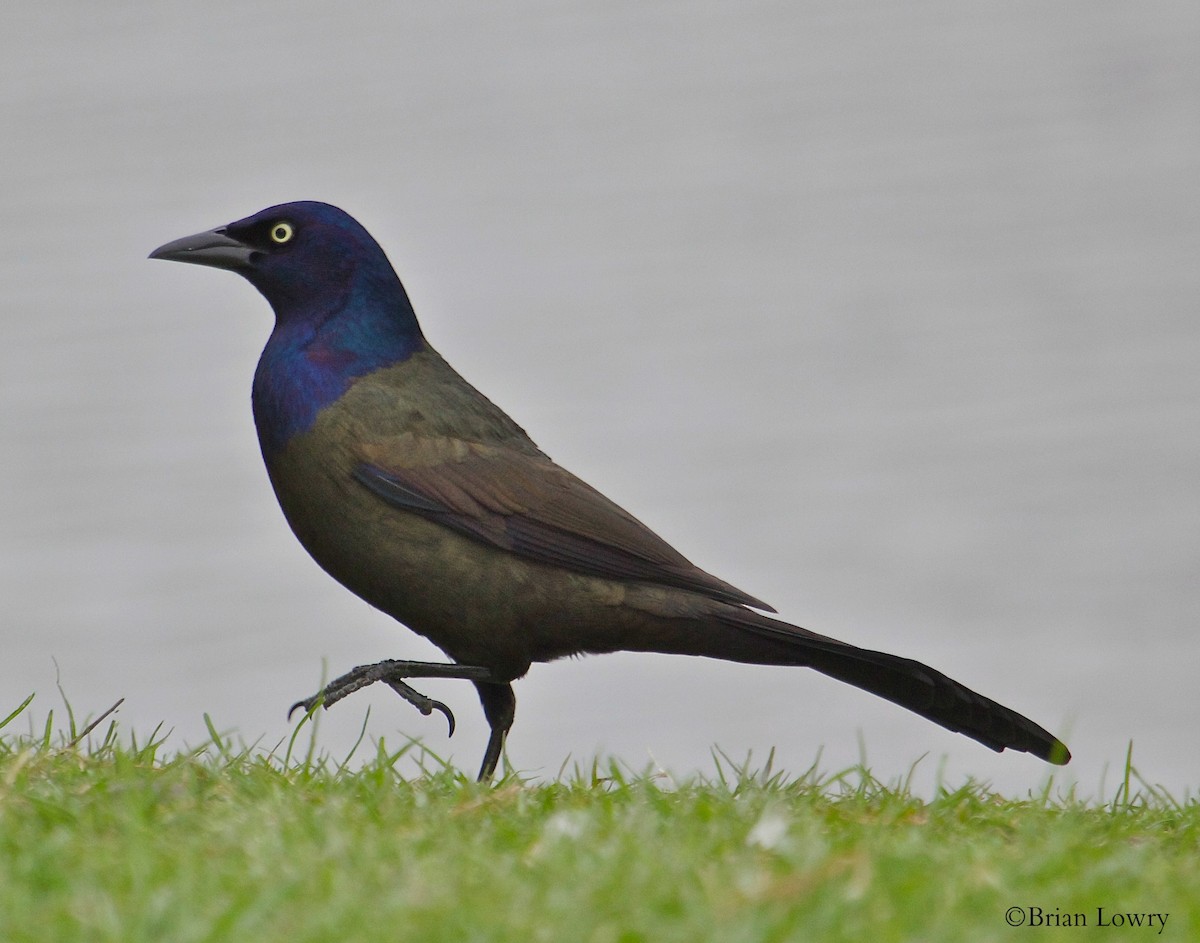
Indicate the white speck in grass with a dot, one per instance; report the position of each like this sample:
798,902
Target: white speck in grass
565,825
768,831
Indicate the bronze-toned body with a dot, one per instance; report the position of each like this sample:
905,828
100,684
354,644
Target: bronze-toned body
418,494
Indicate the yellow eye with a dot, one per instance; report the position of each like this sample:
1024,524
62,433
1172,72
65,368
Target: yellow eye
282,232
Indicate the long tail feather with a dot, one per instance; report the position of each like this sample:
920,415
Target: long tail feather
910,684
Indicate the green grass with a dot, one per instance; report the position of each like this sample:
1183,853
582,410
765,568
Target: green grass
104,837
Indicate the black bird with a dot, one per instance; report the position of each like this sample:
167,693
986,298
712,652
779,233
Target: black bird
416,493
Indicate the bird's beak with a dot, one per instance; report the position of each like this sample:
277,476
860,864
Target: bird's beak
213,248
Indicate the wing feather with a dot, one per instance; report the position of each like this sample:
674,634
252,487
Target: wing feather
529,506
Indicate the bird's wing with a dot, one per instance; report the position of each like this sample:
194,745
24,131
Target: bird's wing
526,504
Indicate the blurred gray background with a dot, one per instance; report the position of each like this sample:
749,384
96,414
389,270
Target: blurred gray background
885,313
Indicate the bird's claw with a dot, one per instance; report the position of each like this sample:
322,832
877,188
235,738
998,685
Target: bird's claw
308,704
426,705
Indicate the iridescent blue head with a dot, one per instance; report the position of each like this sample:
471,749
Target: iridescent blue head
340,310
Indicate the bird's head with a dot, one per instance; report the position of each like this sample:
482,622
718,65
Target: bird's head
340,310
308,259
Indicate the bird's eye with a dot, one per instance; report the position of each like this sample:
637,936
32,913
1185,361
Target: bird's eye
282,232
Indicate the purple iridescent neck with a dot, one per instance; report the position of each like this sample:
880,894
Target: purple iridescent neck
350,323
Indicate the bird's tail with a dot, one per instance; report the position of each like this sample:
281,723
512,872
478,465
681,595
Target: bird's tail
759,639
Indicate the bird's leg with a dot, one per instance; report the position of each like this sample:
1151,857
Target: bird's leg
393,673
499,706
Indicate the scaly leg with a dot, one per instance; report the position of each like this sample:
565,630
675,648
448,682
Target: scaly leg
500,706
393,673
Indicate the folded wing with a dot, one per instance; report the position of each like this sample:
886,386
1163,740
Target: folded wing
526,504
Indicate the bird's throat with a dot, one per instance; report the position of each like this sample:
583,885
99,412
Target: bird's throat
301,373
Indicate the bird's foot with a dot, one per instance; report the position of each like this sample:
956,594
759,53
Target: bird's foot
393,673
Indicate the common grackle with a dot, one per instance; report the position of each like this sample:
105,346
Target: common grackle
415,492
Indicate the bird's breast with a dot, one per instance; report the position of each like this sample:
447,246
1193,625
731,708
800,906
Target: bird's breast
443,586
480,604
